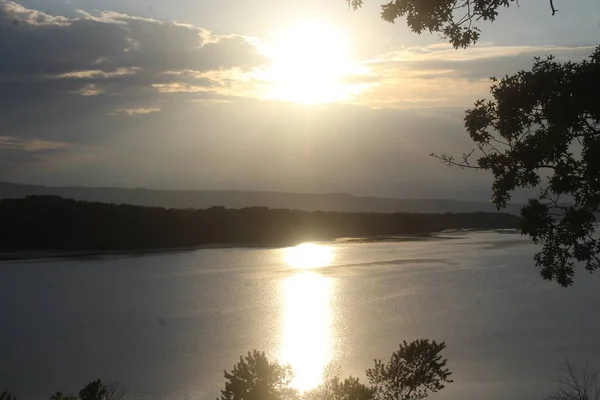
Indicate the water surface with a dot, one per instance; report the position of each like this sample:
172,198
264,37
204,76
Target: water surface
167,325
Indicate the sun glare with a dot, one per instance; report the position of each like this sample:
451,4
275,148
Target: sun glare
309,62
307,337
307,341
308,256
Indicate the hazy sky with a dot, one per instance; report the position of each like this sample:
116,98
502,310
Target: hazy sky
255,95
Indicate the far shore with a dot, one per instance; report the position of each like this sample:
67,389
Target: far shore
41,255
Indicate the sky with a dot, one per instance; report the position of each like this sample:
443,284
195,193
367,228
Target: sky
277,95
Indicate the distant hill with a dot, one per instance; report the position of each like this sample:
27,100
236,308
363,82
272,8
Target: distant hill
341,202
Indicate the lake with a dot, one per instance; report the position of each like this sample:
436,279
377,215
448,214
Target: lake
167,325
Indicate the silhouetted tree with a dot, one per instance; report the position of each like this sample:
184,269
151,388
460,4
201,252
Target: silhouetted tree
334,387
95,390
542,130
62,396
452,19
254,377
344,389
115,391
5,395
413,371
576,384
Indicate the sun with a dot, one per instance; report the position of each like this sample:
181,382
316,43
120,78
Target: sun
309,63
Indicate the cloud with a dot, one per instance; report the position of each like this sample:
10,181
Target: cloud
18,154
446,52
438,75
109,41
69,70
483,61
17,14
136,111
105,98
35,145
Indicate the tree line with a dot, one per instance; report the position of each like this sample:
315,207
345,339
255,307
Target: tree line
54,223
413,372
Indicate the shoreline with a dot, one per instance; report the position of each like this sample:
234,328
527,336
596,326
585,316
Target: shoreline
42,255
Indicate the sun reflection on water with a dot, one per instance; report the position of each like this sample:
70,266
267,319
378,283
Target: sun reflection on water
308,256
307,327
307,333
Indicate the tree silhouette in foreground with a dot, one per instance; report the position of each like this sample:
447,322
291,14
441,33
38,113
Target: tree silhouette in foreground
95,390
576,384
335,387
5,395
453,20
414,370
542,130
349,389
255,377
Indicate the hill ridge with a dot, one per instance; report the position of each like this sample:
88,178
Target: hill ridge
201,198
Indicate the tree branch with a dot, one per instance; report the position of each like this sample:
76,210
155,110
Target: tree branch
590,127
554,10
450,161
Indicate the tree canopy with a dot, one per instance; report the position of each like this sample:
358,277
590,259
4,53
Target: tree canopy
95,390
455,20
576,383
5,395
335,387
541,131
413,371
255,377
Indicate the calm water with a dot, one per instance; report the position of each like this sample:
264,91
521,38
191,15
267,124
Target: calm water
167,325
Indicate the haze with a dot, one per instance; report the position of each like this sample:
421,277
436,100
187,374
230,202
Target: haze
302,96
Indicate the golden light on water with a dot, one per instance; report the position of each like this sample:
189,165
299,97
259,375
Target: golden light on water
307,336
308,256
